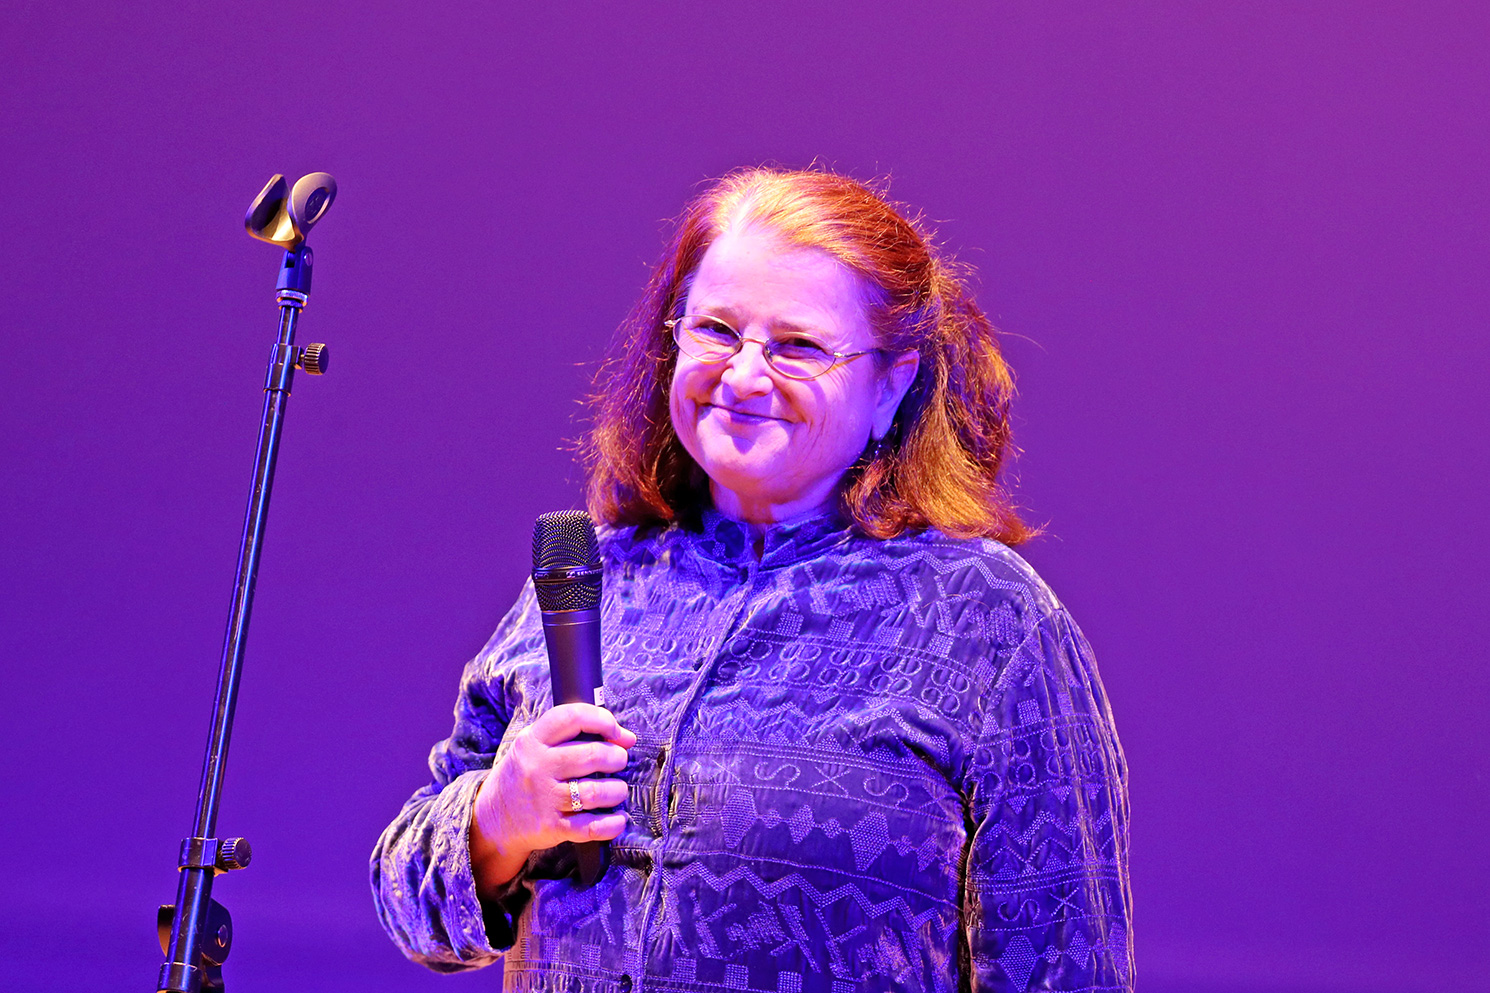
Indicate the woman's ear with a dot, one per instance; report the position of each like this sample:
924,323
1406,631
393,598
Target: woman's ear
894,384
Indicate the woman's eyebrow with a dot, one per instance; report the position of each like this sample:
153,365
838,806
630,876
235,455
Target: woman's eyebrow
722,311
779,325
775,325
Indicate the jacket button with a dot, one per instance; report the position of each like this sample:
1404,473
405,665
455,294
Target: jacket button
625,985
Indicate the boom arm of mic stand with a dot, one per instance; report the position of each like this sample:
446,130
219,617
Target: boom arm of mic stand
200,929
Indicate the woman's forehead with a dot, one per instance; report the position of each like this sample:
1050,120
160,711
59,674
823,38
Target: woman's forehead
756,274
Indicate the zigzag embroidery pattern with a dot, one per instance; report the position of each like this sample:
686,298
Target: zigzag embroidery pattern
862,764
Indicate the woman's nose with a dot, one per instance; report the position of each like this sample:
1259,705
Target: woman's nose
747,372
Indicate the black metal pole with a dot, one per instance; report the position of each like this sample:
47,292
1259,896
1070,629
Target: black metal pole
200,930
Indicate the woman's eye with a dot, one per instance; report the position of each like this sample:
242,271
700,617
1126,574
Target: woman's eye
799,348
714,329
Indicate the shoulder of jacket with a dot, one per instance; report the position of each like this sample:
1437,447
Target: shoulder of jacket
630,544
981,564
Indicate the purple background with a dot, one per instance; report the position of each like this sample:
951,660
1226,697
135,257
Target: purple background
1238,249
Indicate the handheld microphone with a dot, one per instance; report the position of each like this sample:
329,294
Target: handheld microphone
566,577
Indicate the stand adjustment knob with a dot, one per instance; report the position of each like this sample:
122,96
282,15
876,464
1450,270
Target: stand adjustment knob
314,358
235,853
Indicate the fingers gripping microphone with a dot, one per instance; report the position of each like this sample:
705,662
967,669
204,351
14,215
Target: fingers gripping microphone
566,577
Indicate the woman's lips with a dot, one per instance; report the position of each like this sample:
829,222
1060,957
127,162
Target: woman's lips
735,414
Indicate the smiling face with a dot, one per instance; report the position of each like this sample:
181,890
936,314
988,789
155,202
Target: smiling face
774,448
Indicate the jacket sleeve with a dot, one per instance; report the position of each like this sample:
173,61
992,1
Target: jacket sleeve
422,883
1048,906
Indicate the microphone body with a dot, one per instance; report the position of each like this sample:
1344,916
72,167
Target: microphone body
566,577
573,640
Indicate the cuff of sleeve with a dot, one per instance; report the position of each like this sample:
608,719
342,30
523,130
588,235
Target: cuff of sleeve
477,931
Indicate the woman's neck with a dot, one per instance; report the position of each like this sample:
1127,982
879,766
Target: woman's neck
761,515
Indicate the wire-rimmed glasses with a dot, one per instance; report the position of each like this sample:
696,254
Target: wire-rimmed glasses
795,356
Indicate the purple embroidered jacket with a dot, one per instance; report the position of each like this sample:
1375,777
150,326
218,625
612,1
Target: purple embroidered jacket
862,765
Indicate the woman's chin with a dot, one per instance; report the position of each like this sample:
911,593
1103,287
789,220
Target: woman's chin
760,456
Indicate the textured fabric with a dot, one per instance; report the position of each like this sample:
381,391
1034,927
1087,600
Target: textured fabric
862,764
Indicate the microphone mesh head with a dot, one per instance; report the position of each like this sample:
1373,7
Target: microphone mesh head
566,561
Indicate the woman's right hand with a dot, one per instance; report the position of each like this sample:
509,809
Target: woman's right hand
525,805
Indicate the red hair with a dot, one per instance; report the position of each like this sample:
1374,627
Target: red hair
939,464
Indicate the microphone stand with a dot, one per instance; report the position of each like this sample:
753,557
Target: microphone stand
196,932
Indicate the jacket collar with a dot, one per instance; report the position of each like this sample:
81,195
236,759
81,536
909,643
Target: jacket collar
735,543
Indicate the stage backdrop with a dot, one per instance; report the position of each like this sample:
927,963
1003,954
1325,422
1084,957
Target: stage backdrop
1238,251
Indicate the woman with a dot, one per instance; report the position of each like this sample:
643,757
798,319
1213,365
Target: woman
853,742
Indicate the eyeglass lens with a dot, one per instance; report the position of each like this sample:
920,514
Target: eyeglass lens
710,339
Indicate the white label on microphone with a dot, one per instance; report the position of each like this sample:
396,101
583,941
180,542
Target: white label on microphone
600,696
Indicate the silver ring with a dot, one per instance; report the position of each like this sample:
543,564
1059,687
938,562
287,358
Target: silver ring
575,804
